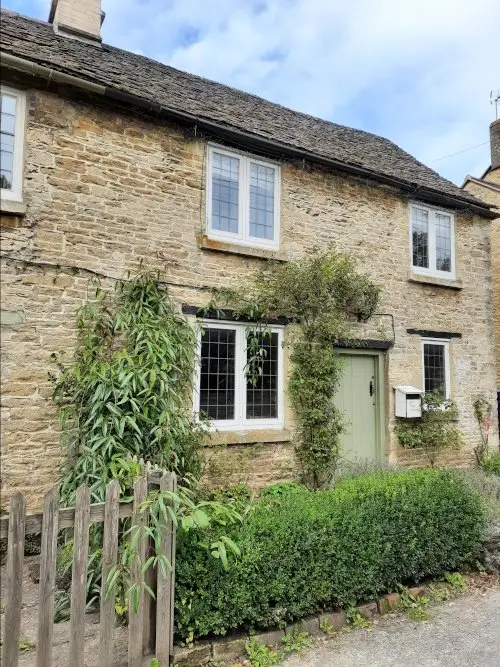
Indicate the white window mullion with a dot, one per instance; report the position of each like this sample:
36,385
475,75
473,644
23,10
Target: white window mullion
245,199
197,375
240,374
447,369
281,379
432,242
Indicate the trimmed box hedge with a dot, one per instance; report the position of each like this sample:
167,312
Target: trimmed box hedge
304,551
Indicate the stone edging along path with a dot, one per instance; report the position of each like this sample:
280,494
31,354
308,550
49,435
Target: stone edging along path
233,646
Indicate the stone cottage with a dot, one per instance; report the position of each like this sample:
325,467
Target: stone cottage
487,188
109,157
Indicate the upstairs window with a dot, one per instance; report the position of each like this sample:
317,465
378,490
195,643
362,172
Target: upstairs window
226,393
432,241
242,199
436,366
12,105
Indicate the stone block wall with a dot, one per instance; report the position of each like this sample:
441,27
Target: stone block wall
492,196
106,189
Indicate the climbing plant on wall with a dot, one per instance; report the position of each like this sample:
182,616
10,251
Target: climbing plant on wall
435,431
323,295
128,387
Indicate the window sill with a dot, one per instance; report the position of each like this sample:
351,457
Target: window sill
235,249
250,437
435,281
10,207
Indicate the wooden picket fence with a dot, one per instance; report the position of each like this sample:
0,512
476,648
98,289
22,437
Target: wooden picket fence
150,631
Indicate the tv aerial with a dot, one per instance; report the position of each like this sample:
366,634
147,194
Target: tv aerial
495,99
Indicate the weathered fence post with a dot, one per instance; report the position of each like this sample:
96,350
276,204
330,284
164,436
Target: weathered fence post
149,632
172,577
136,617
48,558
109,556
79,577
163,587
15,557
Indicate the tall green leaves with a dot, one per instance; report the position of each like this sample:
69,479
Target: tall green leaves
128,388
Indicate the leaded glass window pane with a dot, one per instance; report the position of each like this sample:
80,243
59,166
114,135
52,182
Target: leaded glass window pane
217,374
434,368
443,242
262,391
7,132
261,201
420,237
225,192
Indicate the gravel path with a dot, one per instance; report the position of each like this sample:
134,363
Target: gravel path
464,632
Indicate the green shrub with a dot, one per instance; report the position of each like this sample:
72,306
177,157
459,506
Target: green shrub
492,464
237,493
488,485
304,551
281,489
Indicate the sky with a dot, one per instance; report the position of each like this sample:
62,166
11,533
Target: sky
419,73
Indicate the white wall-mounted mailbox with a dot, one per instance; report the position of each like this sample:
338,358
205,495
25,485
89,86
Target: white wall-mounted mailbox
408,401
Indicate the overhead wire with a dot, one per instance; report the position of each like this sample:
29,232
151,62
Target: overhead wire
459,152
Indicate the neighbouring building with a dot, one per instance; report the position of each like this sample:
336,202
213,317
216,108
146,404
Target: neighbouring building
109,157
487,188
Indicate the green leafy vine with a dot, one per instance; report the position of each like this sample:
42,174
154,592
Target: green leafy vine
322,295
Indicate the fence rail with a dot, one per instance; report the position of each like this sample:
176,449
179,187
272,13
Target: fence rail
150,626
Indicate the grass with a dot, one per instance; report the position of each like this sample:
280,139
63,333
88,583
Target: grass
488,486
260,655
25,643
453,585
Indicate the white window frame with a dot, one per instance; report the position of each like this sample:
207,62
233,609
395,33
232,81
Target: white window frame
447,371
431,270
242,237
240,422
16,192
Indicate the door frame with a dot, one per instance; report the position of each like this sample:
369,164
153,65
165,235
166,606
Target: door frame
380,399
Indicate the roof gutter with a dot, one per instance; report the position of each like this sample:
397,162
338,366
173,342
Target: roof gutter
28,67
233,135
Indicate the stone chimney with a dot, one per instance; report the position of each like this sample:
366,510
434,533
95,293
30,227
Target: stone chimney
495,143
80,19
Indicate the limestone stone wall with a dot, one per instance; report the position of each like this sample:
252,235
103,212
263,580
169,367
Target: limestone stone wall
492,196
105,189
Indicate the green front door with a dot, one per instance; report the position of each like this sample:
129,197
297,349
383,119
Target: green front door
357,398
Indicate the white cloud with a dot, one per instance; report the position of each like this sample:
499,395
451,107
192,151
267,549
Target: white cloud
418,73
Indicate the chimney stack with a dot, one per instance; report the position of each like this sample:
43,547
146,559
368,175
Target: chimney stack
495,143
80,19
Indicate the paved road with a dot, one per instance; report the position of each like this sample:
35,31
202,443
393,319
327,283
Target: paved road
462,633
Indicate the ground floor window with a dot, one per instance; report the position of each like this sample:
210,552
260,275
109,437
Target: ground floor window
225,391
436,366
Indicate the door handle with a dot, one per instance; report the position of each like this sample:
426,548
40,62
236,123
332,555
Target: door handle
372,387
